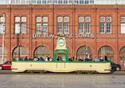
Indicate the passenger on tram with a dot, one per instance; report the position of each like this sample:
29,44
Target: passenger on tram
96,59
36,59
80,59
46,58
26,59
41,59
73,58
31,59
87,59
101,59
51,59
59,58
17,59
70,59
107,59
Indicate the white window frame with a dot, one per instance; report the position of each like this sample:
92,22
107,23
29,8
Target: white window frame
104,21
43,21
18,29
122,23
84,21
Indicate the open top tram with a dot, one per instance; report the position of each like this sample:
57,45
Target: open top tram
61,63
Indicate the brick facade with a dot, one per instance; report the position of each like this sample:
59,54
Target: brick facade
115,39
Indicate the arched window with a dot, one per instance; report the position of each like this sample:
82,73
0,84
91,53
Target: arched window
83,52
122,56
106,51
19,52
41,51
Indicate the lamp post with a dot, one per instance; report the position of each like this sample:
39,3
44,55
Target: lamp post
3,32
17,32
18,45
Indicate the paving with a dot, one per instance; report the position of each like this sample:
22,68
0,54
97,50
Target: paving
114,73
61,80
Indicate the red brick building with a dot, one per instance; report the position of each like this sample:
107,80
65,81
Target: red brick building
94,30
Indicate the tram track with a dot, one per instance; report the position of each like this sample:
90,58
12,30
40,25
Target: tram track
6,72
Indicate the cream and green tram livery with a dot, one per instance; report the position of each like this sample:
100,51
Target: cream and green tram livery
23,66
60,63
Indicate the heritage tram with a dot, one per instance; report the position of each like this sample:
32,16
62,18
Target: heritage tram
61,63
